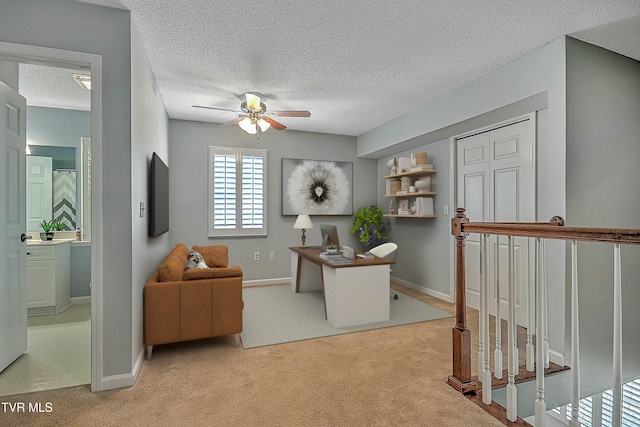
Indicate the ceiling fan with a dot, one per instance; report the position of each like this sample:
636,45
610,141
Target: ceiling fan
253,116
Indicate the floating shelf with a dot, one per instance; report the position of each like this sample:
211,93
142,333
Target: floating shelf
416,194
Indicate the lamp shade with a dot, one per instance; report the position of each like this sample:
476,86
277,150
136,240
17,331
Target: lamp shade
303,221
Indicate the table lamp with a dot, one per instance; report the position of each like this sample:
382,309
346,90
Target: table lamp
303,222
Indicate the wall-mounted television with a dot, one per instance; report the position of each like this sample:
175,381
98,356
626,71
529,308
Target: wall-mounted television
158,197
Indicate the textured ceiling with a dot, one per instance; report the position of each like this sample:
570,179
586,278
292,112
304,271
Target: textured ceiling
355,65
44,86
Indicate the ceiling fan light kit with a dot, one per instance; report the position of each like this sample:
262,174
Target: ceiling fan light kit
253,117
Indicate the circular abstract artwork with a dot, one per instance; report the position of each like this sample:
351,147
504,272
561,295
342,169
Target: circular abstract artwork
317,187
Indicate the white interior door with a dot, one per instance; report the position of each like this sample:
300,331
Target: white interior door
39,191
13,283
496,183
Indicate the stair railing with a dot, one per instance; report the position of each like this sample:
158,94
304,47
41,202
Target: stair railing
461,378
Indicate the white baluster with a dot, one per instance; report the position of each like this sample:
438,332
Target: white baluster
512,349
575,339
540,404
617,337
497,356
481,340
545,301
531,322
486,367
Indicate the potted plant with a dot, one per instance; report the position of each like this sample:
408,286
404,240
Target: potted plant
47,228
332,249
370,225
59,224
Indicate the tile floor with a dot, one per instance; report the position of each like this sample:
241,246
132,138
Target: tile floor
58,353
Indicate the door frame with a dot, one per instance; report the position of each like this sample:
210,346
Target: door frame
453,182
21,53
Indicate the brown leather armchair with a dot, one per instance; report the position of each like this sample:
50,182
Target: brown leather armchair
188,304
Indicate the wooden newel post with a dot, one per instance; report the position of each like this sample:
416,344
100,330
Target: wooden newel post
461,378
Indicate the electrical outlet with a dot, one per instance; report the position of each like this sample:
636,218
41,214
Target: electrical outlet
256,256
446,209
272,255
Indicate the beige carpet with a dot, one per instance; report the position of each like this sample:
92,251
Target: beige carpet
386,377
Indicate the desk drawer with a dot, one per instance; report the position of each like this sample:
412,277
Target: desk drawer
40,252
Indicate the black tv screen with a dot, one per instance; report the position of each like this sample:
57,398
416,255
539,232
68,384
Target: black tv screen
158,197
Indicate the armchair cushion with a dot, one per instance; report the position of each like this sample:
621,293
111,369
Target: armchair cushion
211,273
172,268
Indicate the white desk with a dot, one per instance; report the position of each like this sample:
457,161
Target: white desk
354,294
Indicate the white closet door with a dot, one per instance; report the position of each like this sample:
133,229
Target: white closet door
496,183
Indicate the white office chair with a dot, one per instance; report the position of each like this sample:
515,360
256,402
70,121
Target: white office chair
388,251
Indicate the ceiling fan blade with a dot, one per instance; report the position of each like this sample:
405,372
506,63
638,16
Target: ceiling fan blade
234,121
216,108
253,101
274,124
290,113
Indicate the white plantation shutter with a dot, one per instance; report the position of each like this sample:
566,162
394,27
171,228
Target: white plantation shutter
237,195
252,191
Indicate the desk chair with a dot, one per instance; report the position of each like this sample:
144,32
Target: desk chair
388,251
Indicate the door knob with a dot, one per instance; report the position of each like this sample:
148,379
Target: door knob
24,237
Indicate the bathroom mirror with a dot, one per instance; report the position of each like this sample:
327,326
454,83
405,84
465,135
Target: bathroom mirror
55,185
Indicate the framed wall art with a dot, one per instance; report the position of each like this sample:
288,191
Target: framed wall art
317,187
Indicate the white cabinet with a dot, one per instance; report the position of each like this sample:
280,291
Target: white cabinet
48,277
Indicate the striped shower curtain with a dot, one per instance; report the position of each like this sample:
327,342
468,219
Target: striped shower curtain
64,197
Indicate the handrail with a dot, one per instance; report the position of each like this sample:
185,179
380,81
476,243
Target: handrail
554,229
461,378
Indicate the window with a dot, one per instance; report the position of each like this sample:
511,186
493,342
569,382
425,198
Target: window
237,193
598,409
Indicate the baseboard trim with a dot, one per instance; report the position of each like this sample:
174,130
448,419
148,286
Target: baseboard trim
81,300
112,382
137,367
266,282
422,289
556,358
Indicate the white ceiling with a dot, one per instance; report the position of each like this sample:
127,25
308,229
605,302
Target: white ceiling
354,64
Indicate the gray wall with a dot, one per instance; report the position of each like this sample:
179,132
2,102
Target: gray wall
81,27
603,149
188,191
80,270
9,74
423,243
149,134
535,82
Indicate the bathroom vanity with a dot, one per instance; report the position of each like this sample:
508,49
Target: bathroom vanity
48,276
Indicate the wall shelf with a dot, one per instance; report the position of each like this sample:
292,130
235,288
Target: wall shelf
414,173
416,194
407,200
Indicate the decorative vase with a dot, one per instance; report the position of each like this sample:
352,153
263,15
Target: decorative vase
46,236
423,185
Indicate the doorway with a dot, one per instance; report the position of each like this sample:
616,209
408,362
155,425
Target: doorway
61,58
495,182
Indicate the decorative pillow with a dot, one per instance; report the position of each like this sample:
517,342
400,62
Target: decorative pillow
191,264
196,257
